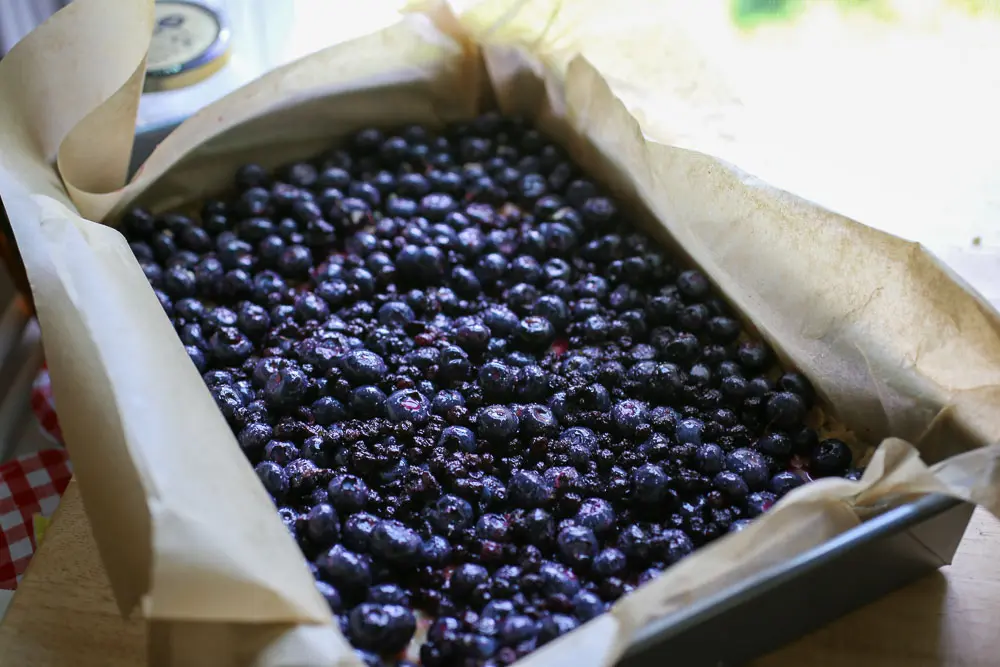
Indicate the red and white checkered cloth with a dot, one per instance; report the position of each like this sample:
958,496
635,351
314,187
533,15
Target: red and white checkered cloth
30,488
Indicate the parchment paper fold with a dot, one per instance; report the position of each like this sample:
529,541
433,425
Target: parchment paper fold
899,349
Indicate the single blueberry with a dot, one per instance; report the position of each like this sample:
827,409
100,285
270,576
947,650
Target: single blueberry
830,457
384,628
516,629
358,530
749,465
609,562
596,514
449,514
785,409
466,577
436,550
528,489
558,580
273,477
323,525
445,400
759,502
775,444
367,401
395,542
576,544
458,437
331,595
649,484
784,482
492,527
408,405
586,605
689,431
363,367
710,458
497,423
347,570
629,415
348,493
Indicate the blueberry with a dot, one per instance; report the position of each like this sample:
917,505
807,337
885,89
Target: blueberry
516,629
830,457
466,577
286,387
363,367
368,401
322,525
784,482
450,514
693,284
497,423
537,526
528,489
576,544
671,545
798,384
331,595
347,570
759,502
609,562
554,626
445,400
596,514
497,379
472,336
629,415
408,405
586,606
732,484
230,346
348,493
558,580
649,484
458,438
689,431
710,458
435,550
395,542
492,527
386,628
358,530
785,409
273,477
749,465
536,420
327,410
535,332
775,444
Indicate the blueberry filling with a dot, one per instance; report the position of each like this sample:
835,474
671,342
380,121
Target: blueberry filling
471,388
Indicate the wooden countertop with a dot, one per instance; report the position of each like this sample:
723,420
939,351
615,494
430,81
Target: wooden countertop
64,615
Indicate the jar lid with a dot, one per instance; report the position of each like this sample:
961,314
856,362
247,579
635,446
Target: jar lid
190,43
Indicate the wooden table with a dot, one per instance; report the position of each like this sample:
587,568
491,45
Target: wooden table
64,615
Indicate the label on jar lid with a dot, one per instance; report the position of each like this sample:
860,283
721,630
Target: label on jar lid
190,42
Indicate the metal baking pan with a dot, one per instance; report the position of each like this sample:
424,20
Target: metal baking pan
877,557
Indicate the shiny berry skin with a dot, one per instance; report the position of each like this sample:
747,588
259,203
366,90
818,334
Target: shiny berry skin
384,628
749,465
830,457
348,493
395,542
528,489
497,423
450,514
408,405
345,569
577,544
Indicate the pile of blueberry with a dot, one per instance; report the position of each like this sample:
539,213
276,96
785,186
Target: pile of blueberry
471,387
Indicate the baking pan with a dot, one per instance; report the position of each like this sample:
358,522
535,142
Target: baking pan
758,615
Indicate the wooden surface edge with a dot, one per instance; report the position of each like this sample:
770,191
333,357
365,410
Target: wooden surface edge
64,615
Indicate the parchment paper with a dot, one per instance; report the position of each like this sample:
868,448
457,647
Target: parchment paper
898,349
